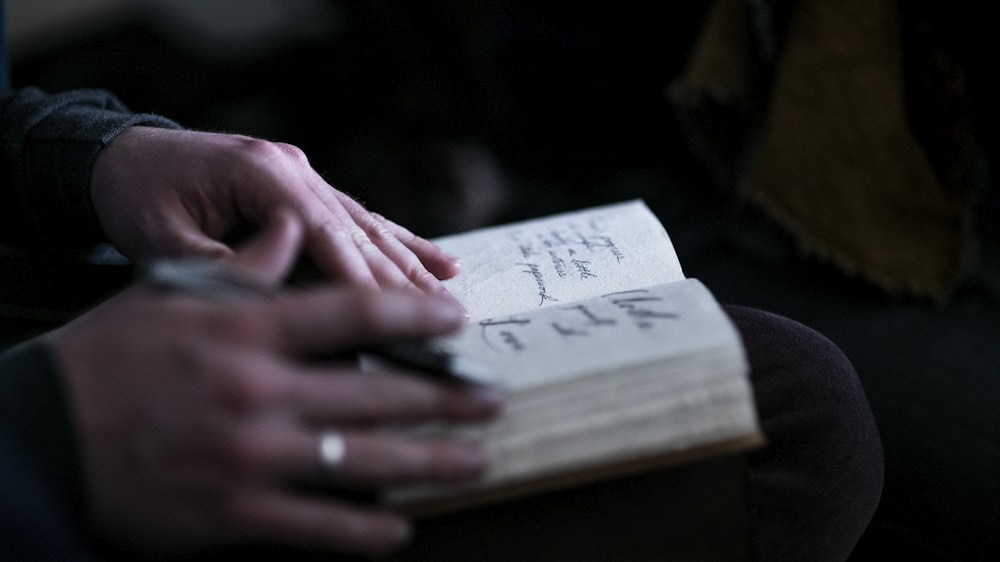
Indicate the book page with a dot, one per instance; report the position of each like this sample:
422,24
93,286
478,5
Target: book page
560,259
599,335
629,375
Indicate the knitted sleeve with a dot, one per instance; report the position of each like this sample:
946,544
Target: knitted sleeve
49,144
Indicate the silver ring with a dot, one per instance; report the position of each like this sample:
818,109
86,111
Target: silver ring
332,450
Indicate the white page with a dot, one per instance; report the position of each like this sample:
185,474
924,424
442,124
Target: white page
560,259
603,334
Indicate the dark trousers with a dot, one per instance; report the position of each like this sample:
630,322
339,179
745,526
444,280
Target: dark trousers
816,485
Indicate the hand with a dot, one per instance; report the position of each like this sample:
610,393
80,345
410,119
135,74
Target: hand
161,192
194,415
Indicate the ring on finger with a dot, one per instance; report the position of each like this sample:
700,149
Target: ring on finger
332,450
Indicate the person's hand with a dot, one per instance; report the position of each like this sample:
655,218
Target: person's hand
196,416
162,192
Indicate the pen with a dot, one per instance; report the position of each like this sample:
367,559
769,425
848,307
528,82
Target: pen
214,279
428,359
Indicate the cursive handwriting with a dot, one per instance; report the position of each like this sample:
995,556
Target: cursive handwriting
516,321
592,318
558,264
641,308
566,331
504,329
511,340
583,269
536,272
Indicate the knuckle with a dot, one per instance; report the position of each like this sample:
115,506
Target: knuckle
269,150
294,153
419,275
360,238
259,148
333,229
379,234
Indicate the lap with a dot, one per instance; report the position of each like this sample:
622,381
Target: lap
816,484
813,487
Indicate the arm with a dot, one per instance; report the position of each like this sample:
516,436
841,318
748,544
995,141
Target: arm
78,165
41,493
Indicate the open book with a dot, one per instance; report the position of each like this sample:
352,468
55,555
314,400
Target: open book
612,361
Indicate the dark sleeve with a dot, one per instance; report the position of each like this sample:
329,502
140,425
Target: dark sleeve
50,142
41,490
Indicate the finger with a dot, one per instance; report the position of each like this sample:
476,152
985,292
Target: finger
392,262
271,252
324,321
337,254
333,237
186,239
369,458
440,263
381,252
409,265
328,398
382,459
272,515
286,178
284,442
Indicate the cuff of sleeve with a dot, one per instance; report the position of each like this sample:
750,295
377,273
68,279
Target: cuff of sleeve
63,134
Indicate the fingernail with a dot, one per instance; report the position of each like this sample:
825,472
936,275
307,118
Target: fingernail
486,397
452,302
448,310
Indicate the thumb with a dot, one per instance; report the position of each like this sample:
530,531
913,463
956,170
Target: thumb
194,243
271,252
